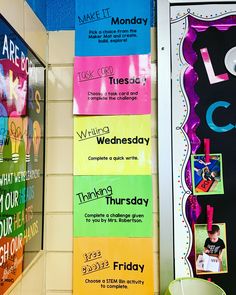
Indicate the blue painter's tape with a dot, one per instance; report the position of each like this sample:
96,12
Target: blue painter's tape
108,28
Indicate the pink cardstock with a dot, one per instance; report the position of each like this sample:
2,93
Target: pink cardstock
112,85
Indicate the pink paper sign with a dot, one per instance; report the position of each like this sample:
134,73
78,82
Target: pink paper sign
112,85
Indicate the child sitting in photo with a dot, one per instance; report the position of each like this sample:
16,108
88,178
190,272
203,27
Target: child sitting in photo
214,244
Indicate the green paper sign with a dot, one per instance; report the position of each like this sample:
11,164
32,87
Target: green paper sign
113,206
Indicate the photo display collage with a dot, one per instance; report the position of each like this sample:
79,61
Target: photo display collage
203,106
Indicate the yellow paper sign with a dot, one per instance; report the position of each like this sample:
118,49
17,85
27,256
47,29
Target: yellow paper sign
112,145
113,266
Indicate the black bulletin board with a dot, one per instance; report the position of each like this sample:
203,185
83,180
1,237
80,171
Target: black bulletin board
203,107
218,44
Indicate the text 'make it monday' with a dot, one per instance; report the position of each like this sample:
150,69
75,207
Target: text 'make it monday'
102,14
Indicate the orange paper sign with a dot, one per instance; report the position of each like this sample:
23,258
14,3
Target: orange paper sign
113,266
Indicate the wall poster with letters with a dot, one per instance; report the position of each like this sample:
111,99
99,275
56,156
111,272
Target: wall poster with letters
203,42
22,113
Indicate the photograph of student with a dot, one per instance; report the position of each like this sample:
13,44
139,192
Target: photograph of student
210,248
214,244
207,177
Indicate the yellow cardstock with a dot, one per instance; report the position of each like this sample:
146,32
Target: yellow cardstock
112,145
113,266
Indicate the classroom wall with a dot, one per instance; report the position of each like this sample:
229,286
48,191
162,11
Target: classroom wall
21,17
59,195
51,272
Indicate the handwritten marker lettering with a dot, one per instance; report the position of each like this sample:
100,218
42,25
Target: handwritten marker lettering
97,15
105,71
93,132
97,266
94,195
92,255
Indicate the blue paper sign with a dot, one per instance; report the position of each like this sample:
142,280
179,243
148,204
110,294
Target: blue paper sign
106,28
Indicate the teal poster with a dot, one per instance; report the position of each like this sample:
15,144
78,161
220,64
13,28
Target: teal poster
113,206
105,28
